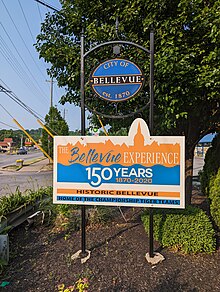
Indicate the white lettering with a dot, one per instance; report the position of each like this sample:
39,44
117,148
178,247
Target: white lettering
96,80
117,171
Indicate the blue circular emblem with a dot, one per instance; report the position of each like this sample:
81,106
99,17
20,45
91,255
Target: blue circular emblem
116,80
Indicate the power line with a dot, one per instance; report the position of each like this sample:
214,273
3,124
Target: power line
4,84
20,35
8,125
23,105
6,111
38,6
41,18
7,54
47,5
10,94
33,39
26,21
12,60
19,102
16,66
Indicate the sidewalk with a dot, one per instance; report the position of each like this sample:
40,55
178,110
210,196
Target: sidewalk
198,165
42,165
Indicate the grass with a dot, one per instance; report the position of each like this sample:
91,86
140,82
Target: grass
32,161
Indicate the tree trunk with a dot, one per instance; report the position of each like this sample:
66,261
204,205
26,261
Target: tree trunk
192,137
188,175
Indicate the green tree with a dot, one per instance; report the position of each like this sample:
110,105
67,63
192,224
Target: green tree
35,133
57,126
187,74
16,135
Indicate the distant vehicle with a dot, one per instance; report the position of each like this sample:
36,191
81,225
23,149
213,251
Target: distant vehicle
3,150
32,148
22,151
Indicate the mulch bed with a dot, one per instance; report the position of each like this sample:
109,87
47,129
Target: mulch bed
40,260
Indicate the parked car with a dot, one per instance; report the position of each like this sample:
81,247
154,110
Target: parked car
3,150
22,151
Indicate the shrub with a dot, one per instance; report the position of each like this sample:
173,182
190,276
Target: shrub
212,164
188,230
67,217
60,215
10,203
214,196
101,214
191,233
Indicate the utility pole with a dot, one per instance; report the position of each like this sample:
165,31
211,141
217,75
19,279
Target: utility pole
64,113
51,90
21,140
50,112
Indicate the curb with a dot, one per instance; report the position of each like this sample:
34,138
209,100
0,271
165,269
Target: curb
27,163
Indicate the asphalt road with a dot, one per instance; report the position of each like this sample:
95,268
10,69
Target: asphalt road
11,180
8,159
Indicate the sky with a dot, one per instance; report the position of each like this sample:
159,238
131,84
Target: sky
21,70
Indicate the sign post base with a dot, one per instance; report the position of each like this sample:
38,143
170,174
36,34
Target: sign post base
84,258
156,259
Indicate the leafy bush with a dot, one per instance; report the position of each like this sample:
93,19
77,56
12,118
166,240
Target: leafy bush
10,203
61,215
214,196
101,214
191,233
188,230
212,164
67,217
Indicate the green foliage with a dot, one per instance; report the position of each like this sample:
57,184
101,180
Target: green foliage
193,233
13,201
65,212
101,214
120,132
75,133
3,264
188,230
57,125
214,196
211,166
186,68
44,200
68,216
35,134
5,230
16,135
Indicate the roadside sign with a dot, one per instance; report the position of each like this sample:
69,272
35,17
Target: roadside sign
137,170
116,80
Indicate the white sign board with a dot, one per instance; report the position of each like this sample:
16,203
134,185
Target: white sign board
137,170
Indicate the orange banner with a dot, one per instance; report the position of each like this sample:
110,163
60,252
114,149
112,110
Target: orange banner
118,193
